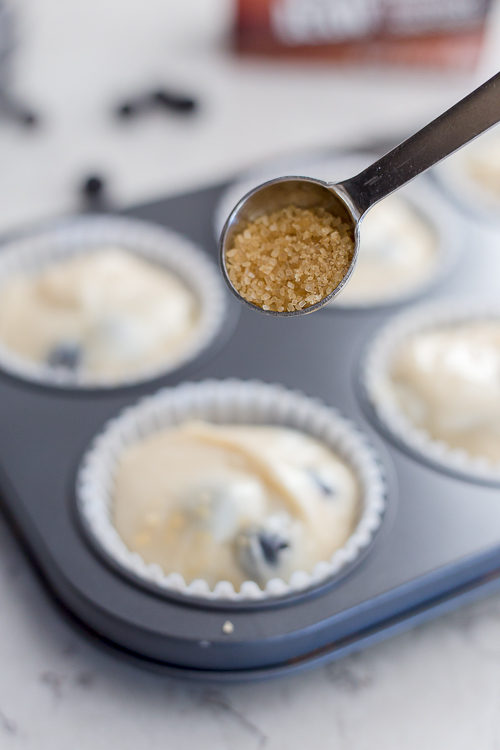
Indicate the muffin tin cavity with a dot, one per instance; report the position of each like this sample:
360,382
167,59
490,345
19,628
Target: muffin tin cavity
117,301
233,402
432,377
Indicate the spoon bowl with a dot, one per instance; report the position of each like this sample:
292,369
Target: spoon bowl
303,192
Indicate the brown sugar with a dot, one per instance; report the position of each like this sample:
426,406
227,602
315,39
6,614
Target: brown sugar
290,259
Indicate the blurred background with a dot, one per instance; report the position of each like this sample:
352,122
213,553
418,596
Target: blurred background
118,102
256,78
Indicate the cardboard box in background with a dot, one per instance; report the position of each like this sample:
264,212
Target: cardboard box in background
433,33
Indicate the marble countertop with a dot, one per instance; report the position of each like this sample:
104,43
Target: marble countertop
437,686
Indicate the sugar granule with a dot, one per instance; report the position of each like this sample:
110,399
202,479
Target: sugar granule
290,259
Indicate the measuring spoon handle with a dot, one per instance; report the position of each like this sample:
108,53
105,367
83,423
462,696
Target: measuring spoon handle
450,131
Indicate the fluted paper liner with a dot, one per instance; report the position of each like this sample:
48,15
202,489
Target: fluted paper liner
166,248
236,402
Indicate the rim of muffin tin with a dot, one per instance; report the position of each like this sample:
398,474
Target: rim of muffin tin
164,247
237,402
374,387
422,195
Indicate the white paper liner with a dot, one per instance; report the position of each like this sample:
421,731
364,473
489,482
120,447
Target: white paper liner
422,196
226,401
453,175
377,384
167,248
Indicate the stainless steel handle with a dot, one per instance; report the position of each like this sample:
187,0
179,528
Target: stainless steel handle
450,131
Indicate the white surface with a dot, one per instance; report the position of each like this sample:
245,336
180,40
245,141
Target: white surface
437,687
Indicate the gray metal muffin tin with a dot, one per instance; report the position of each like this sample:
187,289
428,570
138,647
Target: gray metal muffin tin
438,546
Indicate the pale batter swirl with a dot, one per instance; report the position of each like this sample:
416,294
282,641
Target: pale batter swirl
233,502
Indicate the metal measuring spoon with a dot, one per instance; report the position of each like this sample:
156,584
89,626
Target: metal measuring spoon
351,199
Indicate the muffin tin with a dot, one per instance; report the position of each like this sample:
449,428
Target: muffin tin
438,543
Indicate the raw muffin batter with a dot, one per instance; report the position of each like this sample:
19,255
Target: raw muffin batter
105,313
448,381
233,502
398,251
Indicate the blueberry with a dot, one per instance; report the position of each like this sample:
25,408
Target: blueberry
28,118
325,488
127,109
261,549
271,545
174,101
93,185
67,355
